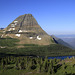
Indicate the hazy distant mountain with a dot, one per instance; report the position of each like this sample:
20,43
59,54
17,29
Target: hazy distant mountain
66,36
60,41
70,41
1,28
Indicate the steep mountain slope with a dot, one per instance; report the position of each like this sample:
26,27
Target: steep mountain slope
60,41
28,31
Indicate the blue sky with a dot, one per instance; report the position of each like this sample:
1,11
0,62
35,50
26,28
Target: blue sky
54,16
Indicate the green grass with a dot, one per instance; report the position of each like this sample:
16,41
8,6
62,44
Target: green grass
36,50
32,49
9,42
31,45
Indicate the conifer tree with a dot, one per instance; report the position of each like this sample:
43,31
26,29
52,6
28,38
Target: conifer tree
38,65
43,68
2,63
29,64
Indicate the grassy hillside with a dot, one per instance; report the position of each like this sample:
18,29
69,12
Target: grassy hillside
8,46
36,50
8,42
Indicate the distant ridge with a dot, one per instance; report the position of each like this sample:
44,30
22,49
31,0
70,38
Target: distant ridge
60,41
1,28
70,41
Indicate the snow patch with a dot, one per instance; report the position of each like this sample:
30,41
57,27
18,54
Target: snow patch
39,38
15,22
12,25
20,30
23,31
10,29
13,28
18,35
30,37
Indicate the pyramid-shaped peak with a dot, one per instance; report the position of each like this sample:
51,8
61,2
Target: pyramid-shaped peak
30,15
27,29
27,15
25,22
26,19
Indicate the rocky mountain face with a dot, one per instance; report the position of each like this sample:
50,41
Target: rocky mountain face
28,31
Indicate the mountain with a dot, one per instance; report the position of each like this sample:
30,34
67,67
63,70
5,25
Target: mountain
28,31
25,32
60,41
1,28
70,41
